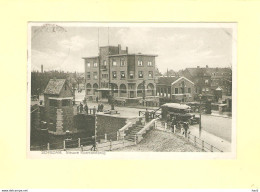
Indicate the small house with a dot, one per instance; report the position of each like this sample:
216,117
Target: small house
58,97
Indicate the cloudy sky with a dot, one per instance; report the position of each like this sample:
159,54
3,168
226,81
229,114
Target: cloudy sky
177,48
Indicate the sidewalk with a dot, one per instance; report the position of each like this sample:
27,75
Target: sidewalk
218,142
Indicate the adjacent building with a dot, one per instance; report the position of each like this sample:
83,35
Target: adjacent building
216,82
130,76
176,89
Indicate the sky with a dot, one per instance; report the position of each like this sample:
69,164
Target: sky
177,48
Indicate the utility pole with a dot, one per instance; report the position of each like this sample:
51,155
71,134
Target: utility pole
200,96
143,92
112,96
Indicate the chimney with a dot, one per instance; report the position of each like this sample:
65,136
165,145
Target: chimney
119,48
42,68
126,49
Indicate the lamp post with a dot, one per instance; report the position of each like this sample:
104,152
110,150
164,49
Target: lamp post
112,96
143,92
200,96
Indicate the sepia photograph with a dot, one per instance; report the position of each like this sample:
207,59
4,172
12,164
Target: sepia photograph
98,89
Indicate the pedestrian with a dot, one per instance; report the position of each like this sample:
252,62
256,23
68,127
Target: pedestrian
97,99
93,148
146,115
98,108
101,107
86,109
186,127
80,108
94,110
173,124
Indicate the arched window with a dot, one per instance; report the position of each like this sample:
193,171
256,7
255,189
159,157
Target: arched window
115,87
95,87
122,90
140,89
150,89
88,89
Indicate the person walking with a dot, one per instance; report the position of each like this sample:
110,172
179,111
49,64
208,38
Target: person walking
98,108
86,109
146,114
101,107
173,124
186,127
93,148
94,110
97,99
80,108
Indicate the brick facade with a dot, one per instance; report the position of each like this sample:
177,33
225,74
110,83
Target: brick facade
126,73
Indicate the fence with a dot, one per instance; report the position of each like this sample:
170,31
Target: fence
202,144
163,126
88,143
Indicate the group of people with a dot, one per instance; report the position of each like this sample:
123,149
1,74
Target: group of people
175,122
100,107
85,109
82,108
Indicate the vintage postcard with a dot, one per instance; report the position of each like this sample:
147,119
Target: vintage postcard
131,90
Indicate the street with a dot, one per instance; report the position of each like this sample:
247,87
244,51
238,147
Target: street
218,126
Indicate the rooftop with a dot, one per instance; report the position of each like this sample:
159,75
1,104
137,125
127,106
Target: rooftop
54,86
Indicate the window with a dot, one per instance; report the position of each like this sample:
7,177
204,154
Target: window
140,74
114,63
140,63
88,75
95,75
114,74
176,91
122,63
189,90
53,103
95,64
122,74
131,75
104,76
150,74
105,63
150,63
88,64
66,102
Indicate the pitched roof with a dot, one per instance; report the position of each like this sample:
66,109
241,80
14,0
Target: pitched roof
182,78
167,80
54,86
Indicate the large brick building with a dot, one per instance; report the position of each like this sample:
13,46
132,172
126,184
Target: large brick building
130,75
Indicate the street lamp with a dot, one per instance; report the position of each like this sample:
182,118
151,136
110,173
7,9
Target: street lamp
112,96
200,96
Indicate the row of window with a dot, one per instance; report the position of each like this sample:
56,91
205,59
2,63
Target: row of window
131,75
122,63
181,90
122,75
